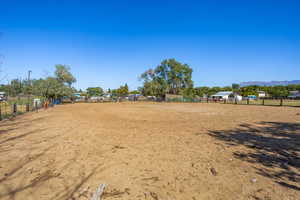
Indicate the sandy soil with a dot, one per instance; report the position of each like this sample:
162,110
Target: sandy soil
152,151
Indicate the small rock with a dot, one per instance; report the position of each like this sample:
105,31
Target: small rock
154,195
298,114
254,180
213,171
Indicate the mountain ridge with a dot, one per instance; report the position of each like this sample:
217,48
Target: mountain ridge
269,83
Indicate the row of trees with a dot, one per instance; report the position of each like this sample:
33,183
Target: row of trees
122,91
169,77
52,87
272,91
173,77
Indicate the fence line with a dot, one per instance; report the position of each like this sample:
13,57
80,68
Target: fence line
263,102
12,109
266,102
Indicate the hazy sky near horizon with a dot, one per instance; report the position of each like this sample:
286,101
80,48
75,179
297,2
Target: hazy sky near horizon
109,43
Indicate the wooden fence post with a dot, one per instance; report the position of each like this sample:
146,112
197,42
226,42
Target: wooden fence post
281,102
15,109
263,102
36,106
248,101
0,113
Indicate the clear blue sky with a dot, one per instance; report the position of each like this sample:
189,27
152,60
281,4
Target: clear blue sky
110,42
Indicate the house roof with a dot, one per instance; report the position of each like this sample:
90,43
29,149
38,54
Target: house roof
294,92
294,95
223,93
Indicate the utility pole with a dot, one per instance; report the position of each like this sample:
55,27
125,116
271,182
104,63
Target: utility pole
29,72
28,91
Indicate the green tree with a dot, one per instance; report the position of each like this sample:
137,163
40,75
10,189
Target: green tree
249,90
279,91
123,91
94,91
56,86
214,90
51,88
134,92
170,76
16,87
202,91
235,88
226,88
64,75
188,92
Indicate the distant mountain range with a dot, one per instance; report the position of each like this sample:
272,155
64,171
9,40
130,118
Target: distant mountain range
269,83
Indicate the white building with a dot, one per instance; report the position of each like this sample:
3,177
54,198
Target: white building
2,96
222,95
294,94
261,94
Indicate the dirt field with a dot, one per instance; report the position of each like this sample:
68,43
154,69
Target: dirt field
152,151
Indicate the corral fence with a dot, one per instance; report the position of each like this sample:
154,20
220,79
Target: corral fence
9,109
262,101
265,102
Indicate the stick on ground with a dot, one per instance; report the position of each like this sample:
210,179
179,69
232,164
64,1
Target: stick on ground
99,192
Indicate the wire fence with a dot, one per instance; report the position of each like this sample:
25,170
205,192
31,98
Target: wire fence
13,108
264,102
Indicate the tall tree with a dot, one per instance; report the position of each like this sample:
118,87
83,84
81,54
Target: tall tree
236,88
123,90
51,88
56,86
64,75
170,76
94,91
16,87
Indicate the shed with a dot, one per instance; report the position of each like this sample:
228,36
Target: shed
222,95
294,94
261,94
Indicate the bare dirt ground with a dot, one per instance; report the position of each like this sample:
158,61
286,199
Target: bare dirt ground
152,151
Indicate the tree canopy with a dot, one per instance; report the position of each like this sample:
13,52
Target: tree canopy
63,74
56,86
122,91
170,76
94,91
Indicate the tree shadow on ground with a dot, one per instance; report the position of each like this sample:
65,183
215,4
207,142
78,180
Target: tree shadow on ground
27,174
19,136
274,146
13,124
11,189
69,189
